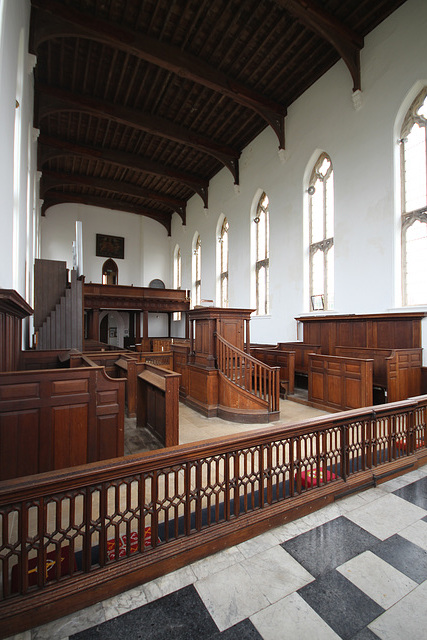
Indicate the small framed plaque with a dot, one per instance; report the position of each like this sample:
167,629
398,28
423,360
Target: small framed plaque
317,303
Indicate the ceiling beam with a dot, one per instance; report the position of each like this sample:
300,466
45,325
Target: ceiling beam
54,179
53,100
50,147
53,198
347,42
68,22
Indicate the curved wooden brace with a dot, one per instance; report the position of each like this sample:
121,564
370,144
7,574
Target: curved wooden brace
347,42
50,148
54,100
60,21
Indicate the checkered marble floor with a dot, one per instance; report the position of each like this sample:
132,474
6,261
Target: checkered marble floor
356,569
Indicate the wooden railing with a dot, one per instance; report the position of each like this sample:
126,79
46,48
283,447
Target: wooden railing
249,373
74,537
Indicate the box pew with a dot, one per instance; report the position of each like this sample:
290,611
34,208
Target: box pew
105,359
275,357
180,355
44,359
340,383
158,402
129,366
302,351
397,371
156,344
57,418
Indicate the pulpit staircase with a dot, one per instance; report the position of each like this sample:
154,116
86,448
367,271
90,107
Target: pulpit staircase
249,376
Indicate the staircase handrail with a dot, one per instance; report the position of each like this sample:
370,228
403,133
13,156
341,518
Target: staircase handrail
248,373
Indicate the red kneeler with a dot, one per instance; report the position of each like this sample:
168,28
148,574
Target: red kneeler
133,546
50,569
401,444
309,478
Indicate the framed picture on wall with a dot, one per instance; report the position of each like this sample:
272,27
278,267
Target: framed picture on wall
110,246
317,303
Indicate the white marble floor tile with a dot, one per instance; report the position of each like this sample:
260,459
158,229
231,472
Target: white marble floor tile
378,579
396,483
255,545
25,635
416,533
302,525
317,518
230,596
68,625
291,618
169,583
417,474
406,619
124,602
386,516
350,503
217,562
276,573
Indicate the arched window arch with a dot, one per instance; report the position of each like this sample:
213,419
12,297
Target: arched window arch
222,261
197,269
110,272
321,234
413,170
261,265
177,275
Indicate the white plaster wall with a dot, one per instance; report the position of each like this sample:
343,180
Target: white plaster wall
362,148
146,242
18,207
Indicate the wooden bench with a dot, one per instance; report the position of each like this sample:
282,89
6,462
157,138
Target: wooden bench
302,351
285,360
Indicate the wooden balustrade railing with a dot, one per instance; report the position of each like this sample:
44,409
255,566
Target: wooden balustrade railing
73,537
248,373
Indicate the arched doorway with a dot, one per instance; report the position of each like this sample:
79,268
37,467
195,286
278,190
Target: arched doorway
110,272
103,329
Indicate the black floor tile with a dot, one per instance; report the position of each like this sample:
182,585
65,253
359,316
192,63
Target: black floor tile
330,545
344,607
425,519
416,492
244,630
405,556
180,615
365,634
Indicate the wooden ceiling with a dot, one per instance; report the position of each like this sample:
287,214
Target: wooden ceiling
141,102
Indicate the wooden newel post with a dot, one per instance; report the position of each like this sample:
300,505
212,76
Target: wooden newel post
248,335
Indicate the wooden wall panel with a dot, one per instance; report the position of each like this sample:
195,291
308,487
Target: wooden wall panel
19,439
390,331
340,383
232,330
109,441
59,418
69,430
158,403
13,309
